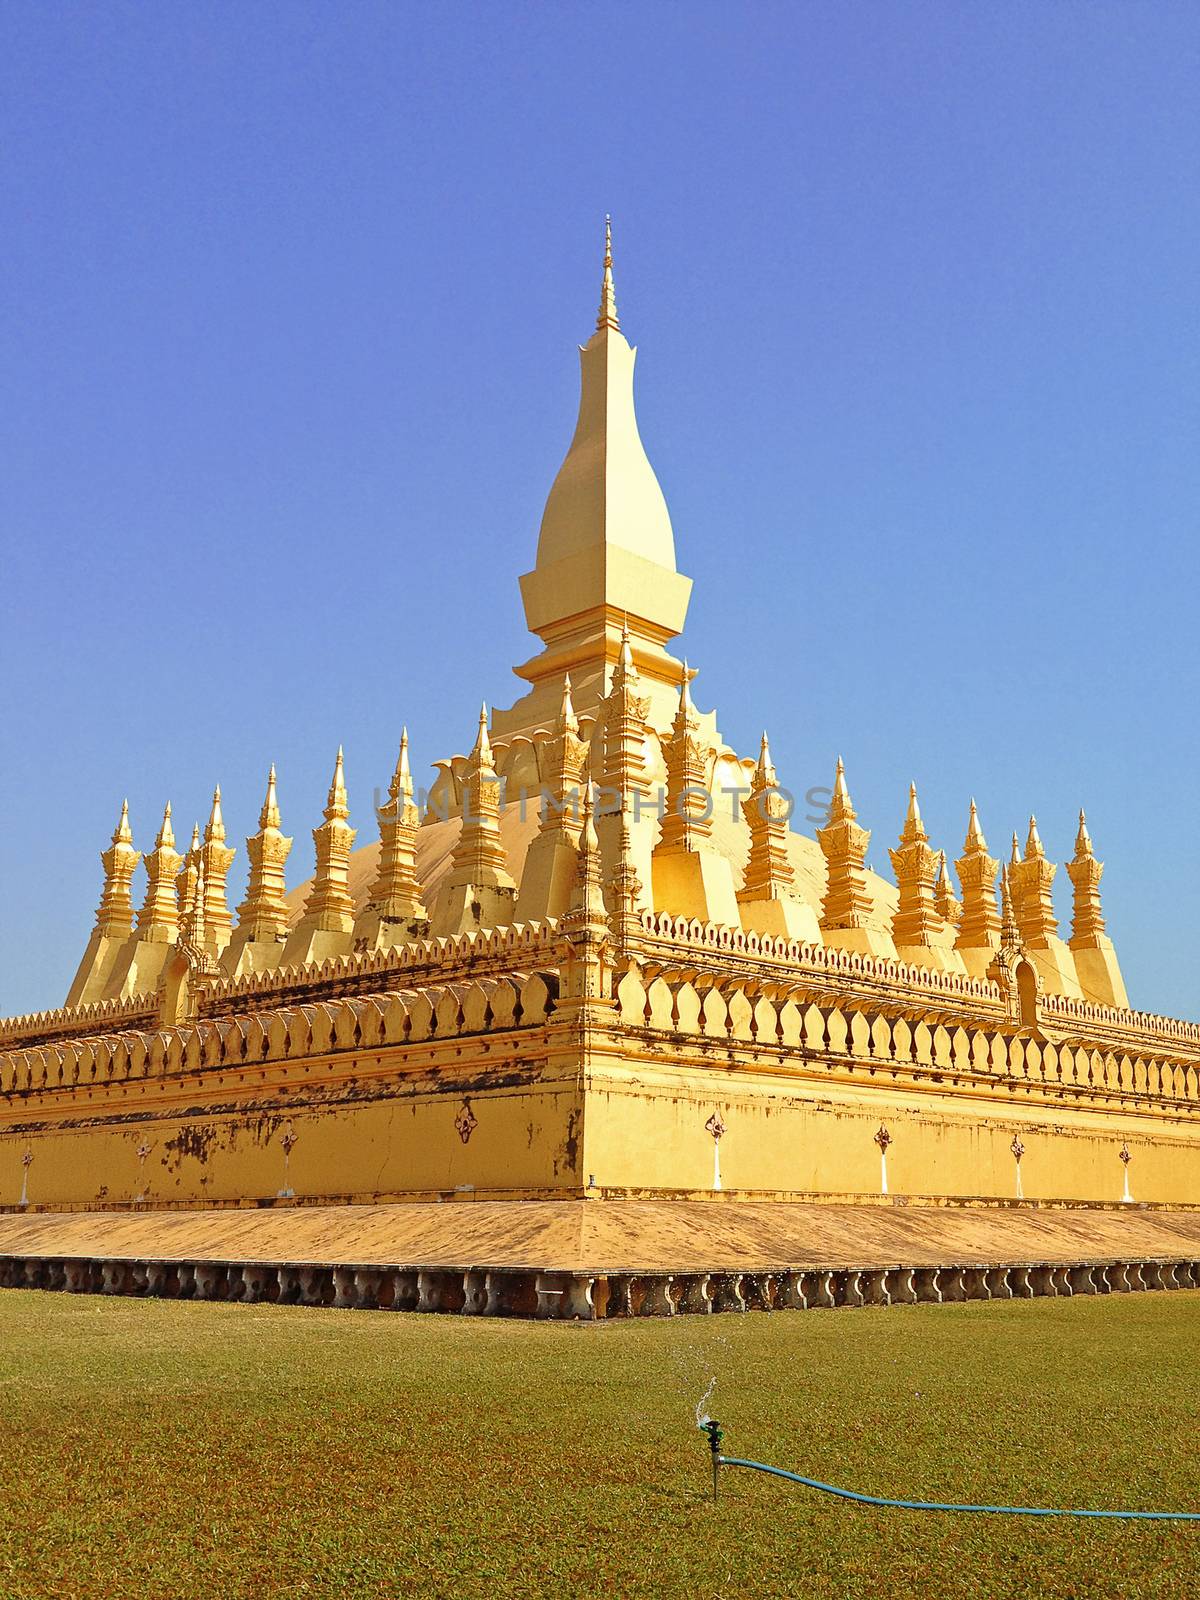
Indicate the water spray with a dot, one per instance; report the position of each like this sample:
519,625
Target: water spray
716,1436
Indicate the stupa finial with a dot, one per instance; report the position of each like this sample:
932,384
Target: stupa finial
481,755
166,834
401,786
268,817
1033,843
338,804
914,828
975,838
1083,839
215,827
766,767
568,722
607,317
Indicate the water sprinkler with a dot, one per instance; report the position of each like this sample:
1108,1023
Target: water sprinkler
712,1428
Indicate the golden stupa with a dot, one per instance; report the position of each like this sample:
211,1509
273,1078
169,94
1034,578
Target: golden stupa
595,962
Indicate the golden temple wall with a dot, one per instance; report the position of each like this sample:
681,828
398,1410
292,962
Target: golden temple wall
491,1085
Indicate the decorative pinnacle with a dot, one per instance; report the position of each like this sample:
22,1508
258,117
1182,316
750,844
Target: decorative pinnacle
568,722
943,877
607,317
975,838
841,809
766,767
1033,843
589,843
482,753
401,784
337,804
123,833
1008,924
626,656
215,831
166,834
914,828
1015,859
268,817
1083,839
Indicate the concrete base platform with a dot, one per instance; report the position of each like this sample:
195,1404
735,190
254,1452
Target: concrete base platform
590,1259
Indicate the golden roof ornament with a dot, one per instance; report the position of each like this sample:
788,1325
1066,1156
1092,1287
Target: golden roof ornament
263,914
114,916
1085,872
914,863
847,902
769,874
158,920
217,858
979,925
395,895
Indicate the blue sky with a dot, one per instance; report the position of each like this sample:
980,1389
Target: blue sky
291,295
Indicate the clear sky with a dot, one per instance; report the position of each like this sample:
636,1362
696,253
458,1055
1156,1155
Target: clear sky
291,295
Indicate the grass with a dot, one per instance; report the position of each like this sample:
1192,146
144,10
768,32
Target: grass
167,1449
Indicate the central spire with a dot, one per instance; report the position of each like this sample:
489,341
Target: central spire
606,548
607,317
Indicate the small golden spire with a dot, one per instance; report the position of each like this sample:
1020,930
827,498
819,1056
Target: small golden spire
975,839
568,722
766,767
948,906
847,902
625,659
1033,899
1085,872
338,804
841,807
688,817
123,833
268,817
769,874
916,916
401,786
1015,859
215,831
216,858
166,834
158,920
979,926
330,907
1009,937
481,755
914,828
587,895
478,859
1083,839
263,915
607,317
114,917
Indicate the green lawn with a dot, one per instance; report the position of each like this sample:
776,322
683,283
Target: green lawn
162,1448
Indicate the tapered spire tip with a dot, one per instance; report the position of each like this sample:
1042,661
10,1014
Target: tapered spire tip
607,316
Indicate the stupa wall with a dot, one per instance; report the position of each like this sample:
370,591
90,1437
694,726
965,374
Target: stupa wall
493,1086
